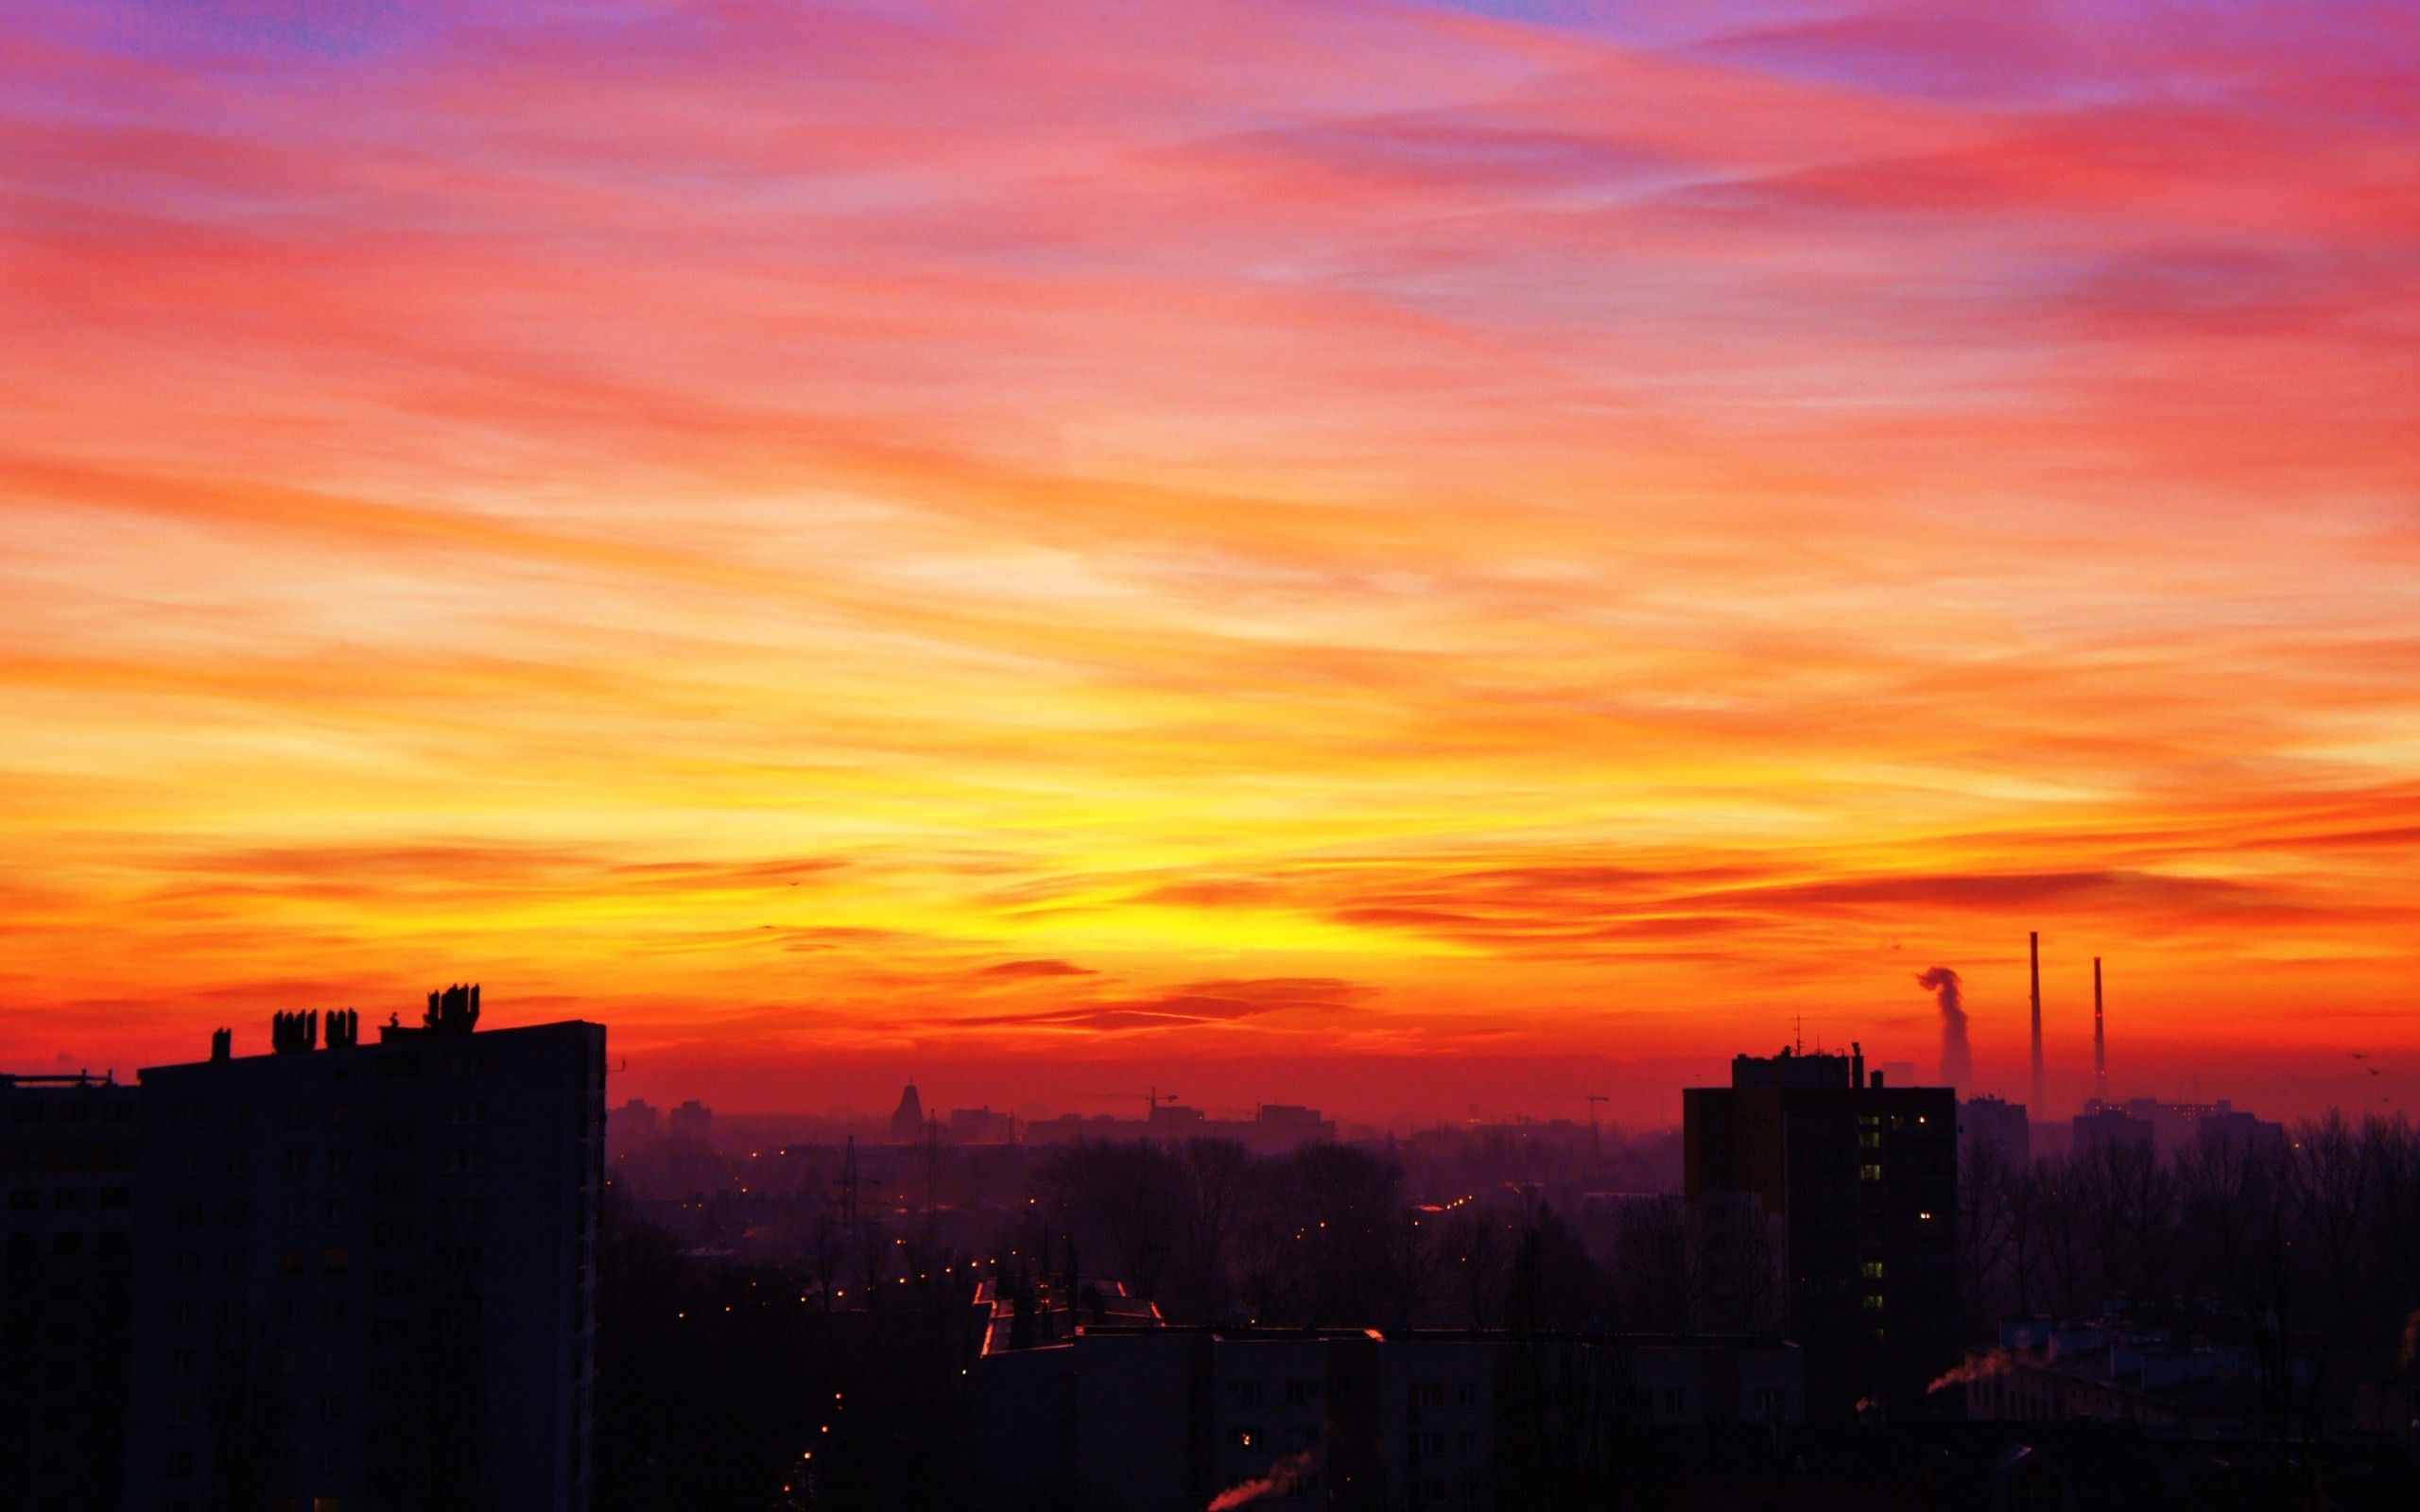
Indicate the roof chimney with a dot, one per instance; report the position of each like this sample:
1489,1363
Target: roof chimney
2034,949
2099,1039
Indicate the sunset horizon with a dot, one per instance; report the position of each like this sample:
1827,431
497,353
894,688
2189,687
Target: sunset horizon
1351,553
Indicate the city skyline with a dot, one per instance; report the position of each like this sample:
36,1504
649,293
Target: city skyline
1392,548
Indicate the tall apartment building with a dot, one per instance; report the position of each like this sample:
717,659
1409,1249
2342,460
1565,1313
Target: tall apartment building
67,1154
1864,1178
366,1273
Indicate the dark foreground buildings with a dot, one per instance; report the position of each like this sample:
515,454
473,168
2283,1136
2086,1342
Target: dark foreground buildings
1864,1178
1142,1418
342,1277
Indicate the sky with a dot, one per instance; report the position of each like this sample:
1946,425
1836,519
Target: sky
1384,555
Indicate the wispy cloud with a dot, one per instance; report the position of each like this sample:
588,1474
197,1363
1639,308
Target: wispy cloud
832,525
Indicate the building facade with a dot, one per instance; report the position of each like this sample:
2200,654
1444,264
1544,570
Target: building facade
366,1273
67,1159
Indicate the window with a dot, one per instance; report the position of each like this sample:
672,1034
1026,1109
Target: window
1676,1401
1872,1269
1869,1173
24,1199
1874,1301
68,1199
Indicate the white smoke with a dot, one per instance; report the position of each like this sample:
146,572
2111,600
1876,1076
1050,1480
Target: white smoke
1957,1057
1977,1368
1279,1480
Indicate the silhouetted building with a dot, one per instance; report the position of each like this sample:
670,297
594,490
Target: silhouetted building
1864,1178
907,1119
365,1274
1989,1124
67,1156
692,1120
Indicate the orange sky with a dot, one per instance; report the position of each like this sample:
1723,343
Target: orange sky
1150,536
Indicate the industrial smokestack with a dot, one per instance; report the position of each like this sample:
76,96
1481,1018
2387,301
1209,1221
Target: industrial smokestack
1957,1057
2033,950
2100,1040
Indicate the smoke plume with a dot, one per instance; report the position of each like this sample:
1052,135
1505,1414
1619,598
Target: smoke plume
1957,1058
1279,1480
1978,1367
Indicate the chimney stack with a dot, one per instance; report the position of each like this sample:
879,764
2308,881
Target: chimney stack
2034,949
2100,1040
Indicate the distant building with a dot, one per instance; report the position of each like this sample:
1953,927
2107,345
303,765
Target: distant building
980,1125
366,1273
633,1125
2172,1129
2001,1128
907,1119
2196,1375
1288,1124
2233,1129
1275,1129
67,1165
2112,1128
1864,1178
692,1120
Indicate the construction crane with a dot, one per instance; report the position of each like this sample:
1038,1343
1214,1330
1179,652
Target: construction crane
1596,1141
1152,1099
